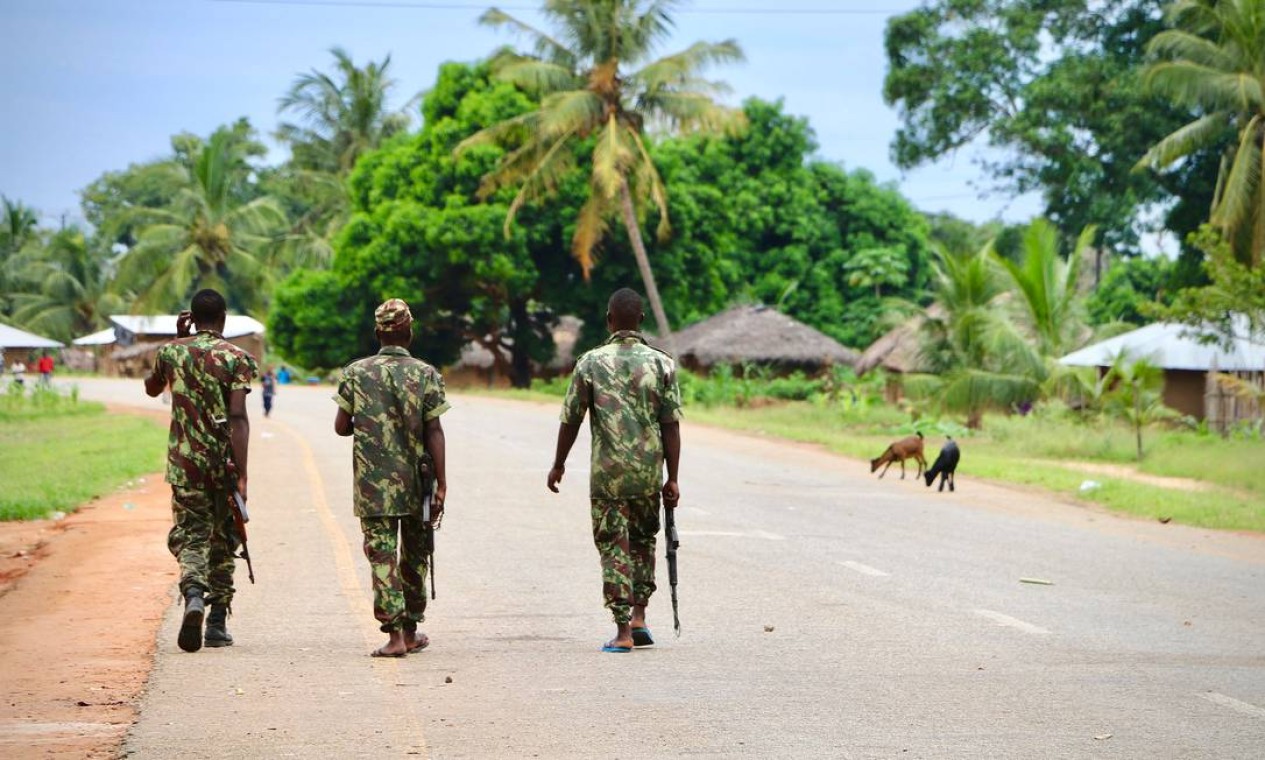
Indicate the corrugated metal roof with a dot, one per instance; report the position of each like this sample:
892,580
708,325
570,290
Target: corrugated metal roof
103,338
235,326
1173,346
12,337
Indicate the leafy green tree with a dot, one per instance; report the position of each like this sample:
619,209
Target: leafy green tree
1055,87
64,289
878,268
421,232
1126,290
210,235
758,220
1231,306
591,100
1213,62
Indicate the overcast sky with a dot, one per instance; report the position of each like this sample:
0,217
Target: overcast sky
89,86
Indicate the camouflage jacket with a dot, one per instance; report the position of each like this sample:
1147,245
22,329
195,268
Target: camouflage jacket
201,370
628,389
389,397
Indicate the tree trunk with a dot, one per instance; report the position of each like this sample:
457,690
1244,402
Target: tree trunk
520,356
643,264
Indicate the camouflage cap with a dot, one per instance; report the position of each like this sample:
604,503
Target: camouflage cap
393,314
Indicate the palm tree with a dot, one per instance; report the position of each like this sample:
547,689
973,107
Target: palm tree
342,116
981,360
1214,63
1046,284
18,228
67,291
599,90
207,237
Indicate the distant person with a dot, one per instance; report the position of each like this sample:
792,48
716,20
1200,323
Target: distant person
269,390
630,392
19,373
209,379
283,376
45,367
391,403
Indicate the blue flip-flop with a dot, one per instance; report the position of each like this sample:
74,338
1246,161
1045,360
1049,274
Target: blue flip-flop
607,647
642,637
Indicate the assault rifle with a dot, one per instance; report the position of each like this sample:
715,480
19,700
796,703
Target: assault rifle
426,482
673,543
237,505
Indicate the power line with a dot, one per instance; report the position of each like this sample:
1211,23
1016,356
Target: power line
410,4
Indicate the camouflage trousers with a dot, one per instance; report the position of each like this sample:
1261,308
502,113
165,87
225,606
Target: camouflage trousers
203,541
393,546
624,531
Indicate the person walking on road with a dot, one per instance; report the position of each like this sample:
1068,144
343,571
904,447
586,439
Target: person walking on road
630,392
269,384
209,379
391,403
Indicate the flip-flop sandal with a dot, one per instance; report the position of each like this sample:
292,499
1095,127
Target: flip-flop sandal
419,647
379,653
642,637
612,649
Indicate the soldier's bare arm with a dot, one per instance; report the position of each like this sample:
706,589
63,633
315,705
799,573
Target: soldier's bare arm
566,439
433,434
239,429
343,423
155,381
671,432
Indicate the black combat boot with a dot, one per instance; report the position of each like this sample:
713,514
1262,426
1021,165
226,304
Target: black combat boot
217,634
190,639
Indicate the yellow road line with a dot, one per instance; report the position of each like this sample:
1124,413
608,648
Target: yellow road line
359,599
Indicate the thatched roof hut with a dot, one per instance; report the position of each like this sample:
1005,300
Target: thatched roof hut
758,335
898,350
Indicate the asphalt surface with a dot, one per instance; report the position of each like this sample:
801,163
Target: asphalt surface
826,614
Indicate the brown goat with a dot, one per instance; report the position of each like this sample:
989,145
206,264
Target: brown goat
899,452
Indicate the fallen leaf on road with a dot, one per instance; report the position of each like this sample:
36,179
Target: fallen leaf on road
768,629
1037,581
1102,737
1166,520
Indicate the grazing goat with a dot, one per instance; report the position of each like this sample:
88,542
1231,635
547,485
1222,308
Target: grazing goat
899,452
946,465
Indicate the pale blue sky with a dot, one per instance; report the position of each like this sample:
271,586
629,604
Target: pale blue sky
94,85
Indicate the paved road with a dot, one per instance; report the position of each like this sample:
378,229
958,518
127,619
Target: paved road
826,614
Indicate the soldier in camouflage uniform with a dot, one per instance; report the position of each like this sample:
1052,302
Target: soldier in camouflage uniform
391,403
629,390
209,379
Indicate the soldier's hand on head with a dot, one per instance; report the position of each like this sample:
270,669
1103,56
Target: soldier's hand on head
184,324
555,477
671,494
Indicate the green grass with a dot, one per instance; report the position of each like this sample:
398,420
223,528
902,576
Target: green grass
58,454
1042,453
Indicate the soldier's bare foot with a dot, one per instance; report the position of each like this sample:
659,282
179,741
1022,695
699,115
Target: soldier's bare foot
416,641
395,646
638,617
623,639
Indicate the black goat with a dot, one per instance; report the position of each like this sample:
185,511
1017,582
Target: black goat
946,465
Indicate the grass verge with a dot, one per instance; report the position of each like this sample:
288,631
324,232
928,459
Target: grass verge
1044,454
53,461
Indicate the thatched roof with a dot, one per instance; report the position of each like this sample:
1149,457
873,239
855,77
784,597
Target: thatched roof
761,335
898,350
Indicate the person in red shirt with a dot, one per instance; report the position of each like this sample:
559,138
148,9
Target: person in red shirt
45,366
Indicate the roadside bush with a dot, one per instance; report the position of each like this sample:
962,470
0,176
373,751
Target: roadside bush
34,401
